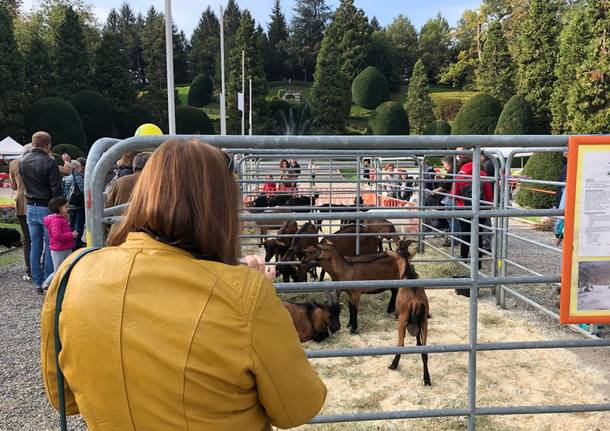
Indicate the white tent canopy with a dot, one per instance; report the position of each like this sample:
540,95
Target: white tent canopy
10,148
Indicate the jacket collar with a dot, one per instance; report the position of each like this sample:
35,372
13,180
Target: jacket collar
143,240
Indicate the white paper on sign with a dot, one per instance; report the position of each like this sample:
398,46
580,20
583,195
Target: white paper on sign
594,235
240,101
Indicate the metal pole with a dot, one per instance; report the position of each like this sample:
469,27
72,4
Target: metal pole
243,93
169,59
223,108
358,179
474,288
250,105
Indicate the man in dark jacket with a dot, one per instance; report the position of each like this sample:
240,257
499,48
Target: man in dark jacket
42,181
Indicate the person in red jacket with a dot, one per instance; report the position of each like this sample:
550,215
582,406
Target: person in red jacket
61,236
462,188
269,188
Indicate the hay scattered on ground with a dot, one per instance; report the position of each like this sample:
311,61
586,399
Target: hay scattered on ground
523,377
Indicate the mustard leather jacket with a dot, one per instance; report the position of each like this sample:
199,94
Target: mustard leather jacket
154,339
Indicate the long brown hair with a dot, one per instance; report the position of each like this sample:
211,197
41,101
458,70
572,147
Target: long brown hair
186,196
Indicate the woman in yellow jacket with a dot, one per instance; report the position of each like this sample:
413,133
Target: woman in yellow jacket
163,330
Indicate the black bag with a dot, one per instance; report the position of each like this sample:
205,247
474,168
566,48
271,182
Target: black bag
76,197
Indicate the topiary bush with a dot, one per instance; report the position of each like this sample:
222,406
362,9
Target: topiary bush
131,118
389,119
447,109
200,91
370,88
58,118
439,127
71,150
478,116
517,118
96,115
540,166
192,121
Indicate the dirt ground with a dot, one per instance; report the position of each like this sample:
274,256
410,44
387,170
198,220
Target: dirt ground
522,377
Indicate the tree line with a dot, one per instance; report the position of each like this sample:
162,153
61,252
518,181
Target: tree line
552,52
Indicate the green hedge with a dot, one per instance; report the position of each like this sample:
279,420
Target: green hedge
389,119
447,109
192,121
71,150
131,118
58,118
200,91
540,166
516,118
276,84
96,114
439,127
478,116
370,88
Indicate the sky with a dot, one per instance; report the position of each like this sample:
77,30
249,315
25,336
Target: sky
186,12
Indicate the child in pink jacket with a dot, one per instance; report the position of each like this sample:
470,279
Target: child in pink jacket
61,236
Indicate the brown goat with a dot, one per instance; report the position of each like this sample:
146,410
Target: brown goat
413,312
379,266
384,228
276,247
299,243
314,321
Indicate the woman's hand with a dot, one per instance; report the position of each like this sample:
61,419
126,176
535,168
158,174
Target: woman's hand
258,263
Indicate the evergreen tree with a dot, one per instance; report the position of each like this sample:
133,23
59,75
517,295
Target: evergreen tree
130,29
495,74
355,37
384,56
434,46
246,41
232,19
277,33
307,31
419,103
573,43
404,36
11,6
375,26
327,95
111,75
113,21
39,70
589,97
71,56
536,59
153,44
205,44
263,48
11,84
181,64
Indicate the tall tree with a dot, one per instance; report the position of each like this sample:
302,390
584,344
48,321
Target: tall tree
277,34
419,103
375,26
111,70
39,70
181,63
232,19
205,44
71,57
327,95
351,26
573,43
589,97
246,41
404,37
536,59
511,13
153,44
385,56
496,71
11,84
12,6
307,31
130,28
434,46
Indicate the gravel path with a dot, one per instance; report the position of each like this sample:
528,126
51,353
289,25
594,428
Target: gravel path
23,405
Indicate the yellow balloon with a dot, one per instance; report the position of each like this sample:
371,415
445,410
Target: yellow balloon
148,129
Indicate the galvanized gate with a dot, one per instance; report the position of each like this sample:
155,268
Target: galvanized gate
324,156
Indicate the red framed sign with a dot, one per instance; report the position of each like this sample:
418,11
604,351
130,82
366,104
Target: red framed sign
585,280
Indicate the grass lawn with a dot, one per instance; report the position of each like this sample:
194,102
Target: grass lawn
183,94
15,256
439,94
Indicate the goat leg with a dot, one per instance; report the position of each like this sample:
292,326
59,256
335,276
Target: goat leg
392,303
402,328
424,358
